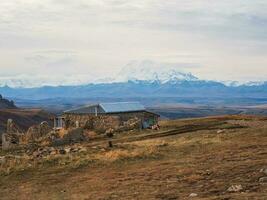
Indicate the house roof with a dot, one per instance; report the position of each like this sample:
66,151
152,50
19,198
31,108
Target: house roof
83,110
117,107
122,107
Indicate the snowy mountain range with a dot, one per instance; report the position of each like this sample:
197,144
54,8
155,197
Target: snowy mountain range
144,79
134,71
152,72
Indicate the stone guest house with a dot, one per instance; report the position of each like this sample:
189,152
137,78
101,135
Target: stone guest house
101,117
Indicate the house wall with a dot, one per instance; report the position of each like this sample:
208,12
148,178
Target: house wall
116,121
100,123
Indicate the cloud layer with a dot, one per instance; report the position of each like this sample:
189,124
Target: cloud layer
59,39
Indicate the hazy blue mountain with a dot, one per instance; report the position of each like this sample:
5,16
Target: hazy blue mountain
144,81
140,89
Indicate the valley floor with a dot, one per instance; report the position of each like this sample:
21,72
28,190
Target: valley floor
187,159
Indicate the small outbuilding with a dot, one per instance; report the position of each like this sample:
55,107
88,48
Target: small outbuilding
108,115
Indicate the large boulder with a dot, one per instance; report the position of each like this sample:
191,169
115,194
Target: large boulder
74,135
37,131
70,136
12,127
10,140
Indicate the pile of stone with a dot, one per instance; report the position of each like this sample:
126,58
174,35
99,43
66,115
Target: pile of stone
70,136
12,137
10,140
2,160
37,131
263,179
50,151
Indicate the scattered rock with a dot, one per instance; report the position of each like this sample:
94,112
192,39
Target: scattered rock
110,145
155,127
68,150
12,127
220,131
264,171
36,154
73,136
2,160
54,152
10,140
109,132
62,151
235,188
193,195
83,149
74,150
37,131
263,179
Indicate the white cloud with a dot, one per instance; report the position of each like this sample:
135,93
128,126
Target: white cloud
98,37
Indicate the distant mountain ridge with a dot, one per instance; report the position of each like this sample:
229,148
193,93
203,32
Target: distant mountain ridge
144,79
151,71
6,104
135,71
139,88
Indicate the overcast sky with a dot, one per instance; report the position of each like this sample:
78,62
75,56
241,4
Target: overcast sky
53,39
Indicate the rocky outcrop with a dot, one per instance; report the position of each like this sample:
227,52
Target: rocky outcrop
73,136
14,136
70,136
37,131
11,138
12,127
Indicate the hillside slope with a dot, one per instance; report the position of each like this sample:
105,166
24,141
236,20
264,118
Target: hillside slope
24,118
4,103
209,158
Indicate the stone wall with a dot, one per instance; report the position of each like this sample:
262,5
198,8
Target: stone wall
102,123
98,123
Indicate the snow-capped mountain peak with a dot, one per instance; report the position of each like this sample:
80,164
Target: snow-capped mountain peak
151,71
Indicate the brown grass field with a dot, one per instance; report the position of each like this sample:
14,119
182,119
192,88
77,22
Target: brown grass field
204,156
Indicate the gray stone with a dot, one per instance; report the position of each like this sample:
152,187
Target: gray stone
235,188
220,131
37,131
193,195
83,149
2,160
68,150
263,179
73,136
264,171
9,140
62,151
12,127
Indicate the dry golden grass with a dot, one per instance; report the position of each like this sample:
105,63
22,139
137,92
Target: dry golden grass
205,162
